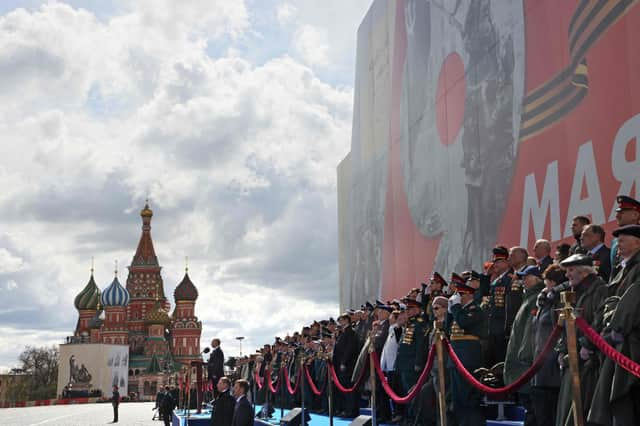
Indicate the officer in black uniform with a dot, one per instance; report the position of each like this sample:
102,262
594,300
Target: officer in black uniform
627,213
413,336
495,308
465,327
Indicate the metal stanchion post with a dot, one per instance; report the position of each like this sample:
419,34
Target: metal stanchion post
301,384
253,394
441,381
568,298
372,378
330,394
282,394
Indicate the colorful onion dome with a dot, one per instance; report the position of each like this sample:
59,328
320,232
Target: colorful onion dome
115,295
89,297
185,290
157,315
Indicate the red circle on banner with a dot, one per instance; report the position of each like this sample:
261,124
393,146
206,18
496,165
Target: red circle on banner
450,97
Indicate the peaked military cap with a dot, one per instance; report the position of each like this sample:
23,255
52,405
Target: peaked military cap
627,203
368,307
500,253
471,275
633,230
460,284
439,279
412,303
577,260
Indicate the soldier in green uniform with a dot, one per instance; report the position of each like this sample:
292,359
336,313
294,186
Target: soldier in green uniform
520,350
413,336
465,327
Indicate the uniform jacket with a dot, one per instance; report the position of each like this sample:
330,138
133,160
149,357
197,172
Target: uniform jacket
496,309
521,347
412,338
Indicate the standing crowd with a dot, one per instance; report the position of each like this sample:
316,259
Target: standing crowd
497,321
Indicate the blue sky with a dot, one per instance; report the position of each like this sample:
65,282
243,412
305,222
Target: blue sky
231,116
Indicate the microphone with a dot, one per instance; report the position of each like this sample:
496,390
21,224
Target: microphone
206,351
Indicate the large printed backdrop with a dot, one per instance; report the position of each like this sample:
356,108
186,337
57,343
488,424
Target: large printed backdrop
483,122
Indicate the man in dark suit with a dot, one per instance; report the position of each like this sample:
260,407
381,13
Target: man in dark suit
224,404
215,365
242,412
167,404
115,401
593,242
542,252
577,225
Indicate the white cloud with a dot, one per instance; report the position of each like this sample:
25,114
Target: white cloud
237,157
285,13
9,263
11,285
312,44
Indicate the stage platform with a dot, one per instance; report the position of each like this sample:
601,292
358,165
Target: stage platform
514,414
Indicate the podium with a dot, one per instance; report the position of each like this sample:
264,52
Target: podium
199,383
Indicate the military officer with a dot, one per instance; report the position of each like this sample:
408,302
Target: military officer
412,337
465,327
627,213
495,311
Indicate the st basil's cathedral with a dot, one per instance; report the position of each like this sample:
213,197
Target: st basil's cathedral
160,342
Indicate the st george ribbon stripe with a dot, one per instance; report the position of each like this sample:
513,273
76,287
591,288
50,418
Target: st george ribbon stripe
550,102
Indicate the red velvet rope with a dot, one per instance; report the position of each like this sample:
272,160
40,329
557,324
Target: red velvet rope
341,388
258,379
288,381
519,382
620,359
273,389
415,389
312,385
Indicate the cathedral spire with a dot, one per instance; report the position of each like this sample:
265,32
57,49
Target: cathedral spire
145,253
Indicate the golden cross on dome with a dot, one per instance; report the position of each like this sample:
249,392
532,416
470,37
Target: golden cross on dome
91,265
116,270
186,264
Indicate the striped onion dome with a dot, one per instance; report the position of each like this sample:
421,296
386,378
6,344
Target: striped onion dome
89,297
115,295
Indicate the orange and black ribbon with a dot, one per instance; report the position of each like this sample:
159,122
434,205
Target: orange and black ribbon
549,102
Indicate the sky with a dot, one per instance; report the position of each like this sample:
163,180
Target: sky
229,116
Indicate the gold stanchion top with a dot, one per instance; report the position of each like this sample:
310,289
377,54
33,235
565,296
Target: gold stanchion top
568,298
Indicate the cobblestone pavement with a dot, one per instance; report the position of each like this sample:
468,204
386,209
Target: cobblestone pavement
138,414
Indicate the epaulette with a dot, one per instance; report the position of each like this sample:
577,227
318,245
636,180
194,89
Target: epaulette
419,319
